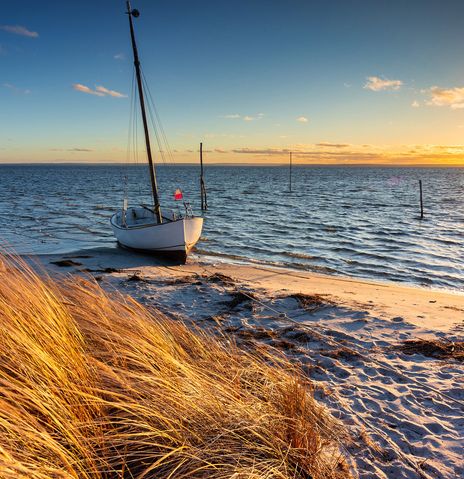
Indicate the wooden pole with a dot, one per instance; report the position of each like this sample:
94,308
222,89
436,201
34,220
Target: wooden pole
421,200
204,202
290,172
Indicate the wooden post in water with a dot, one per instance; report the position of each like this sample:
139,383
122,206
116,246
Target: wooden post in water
421,200
204,201
290,172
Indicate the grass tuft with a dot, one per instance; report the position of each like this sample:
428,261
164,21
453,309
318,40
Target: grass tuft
93,386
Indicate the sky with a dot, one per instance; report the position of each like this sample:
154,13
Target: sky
335,82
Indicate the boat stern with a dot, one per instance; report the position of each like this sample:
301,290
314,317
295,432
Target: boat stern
192,231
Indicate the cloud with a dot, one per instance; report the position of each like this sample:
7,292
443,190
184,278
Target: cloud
15,89
302,119
315,155
86,89
415,104
99,91
452,97
400,155
324,144
265,151
105,91
259,116
325,153
119,56
236,116
70,149
19,30
379,84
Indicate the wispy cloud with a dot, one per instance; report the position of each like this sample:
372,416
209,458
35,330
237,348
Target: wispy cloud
119,56
70,149
415,104
325,144
99,91
302,119
264,151
19,30
15,89
341,153
378,84
105,91
86,89
452,97
319,153
236,116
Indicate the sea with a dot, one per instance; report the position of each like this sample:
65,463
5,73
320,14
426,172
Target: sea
358,221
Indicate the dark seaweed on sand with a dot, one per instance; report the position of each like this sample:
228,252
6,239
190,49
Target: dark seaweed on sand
312,302
438,349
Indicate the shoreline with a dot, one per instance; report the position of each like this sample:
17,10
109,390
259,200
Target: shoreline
225,259
213,258
430,307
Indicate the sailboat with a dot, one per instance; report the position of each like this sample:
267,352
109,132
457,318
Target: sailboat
145,228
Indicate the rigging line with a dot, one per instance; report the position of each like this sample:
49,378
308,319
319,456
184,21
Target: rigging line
155,129
160,124
135,139
156,122
129,135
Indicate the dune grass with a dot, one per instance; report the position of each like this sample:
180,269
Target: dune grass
94,385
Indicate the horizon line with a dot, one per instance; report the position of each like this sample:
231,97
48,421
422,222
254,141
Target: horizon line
295,165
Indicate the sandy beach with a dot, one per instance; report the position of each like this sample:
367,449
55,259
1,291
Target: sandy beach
382,357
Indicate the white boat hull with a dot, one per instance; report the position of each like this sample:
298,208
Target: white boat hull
136,229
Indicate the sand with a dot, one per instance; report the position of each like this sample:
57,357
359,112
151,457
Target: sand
405,412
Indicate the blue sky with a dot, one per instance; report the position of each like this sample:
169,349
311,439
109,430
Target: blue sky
240,76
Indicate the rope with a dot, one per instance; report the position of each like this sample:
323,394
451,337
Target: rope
151,103
153,123
129,138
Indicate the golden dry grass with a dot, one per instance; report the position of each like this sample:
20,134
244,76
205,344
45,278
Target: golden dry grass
95,386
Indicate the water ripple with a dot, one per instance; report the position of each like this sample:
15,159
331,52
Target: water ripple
354,221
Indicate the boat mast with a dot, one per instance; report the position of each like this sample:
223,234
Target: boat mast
154,187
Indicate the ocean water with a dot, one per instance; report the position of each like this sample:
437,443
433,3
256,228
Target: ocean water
356,221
